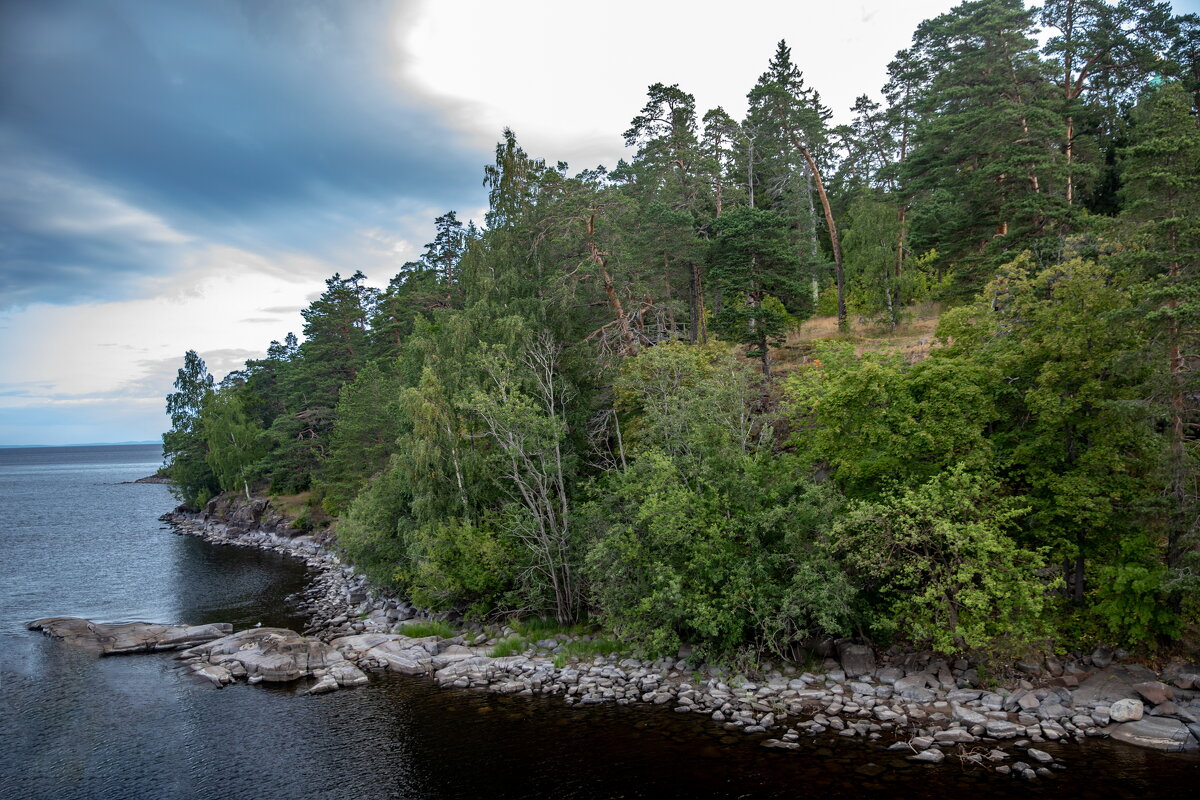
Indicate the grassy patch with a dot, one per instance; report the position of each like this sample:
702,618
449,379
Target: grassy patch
510,646
580,649
418,630
544,627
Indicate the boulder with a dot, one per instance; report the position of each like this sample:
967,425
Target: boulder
1154,692
1111,684
128,637
1157,733
856,659
1126,710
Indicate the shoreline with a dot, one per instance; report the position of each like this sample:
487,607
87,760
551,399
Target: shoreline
916,703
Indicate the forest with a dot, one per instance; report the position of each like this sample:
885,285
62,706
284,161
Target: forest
583,408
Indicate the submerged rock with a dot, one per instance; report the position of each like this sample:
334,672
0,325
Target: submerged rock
128,637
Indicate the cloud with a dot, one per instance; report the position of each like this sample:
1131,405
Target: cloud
130,128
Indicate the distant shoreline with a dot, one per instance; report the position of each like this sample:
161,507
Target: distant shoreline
85,444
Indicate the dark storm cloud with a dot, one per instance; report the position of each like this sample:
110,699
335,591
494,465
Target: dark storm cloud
276,123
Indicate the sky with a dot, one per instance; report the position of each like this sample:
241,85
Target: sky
185,175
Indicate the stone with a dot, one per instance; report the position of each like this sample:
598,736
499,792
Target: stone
968,716
1001,729
1157,733
1154,692
1126,710
953,736
1111,684
856,659
324,686
273,654
1102,656
1028,701
930,756
1039,755
889,675
128,637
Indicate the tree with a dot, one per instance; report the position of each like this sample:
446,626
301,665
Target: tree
1161,179
753,266
989,136
184,445
788,119
235,443
1104,48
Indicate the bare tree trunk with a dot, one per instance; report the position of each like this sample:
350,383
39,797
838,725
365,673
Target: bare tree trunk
833,233
614,301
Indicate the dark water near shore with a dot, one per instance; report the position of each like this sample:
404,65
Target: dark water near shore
75,540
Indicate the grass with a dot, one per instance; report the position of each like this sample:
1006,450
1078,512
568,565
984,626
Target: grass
544,627
913,337
510,646
418,630
580,649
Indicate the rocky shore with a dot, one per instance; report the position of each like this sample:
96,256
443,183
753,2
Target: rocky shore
929,708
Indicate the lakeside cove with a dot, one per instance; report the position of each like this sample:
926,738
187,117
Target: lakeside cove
911,706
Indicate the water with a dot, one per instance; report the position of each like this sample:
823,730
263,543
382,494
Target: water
76,539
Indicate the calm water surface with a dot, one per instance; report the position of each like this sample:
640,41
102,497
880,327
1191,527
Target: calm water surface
76,539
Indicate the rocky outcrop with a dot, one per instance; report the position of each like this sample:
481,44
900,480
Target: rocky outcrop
275,655
128,637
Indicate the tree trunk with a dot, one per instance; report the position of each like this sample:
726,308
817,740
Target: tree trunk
833,234
614,301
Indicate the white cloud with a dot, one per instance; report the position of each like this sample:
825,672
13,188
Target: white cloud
568,77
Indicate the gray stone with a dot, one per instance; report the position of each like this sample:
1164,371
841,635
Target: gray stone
1156,733
1001,729
890,675
968,716
1112,684
953,736
856,659
1102,656
1154,692
128,637
930,756
1126,710
1039,755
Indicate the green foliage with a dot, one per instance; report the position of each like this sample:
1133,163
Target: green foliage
943,563
433,627
459,566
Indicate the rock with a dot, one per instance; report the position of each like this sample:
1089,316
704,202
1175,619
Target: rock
953,736
273,654
128,637
1039,755
1111,684
1102,656
1154,692
930,756
324,686
1001,729
967,716
1126,710
890,675
1157,733
347,675
856,659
